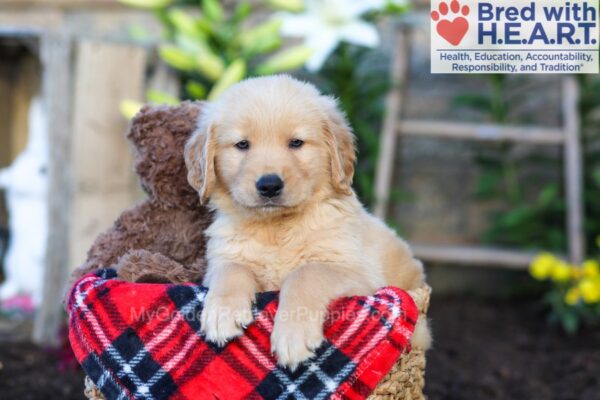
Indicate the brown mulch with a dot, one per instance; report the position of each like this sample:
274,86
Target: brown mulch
506,350
483,350
30,373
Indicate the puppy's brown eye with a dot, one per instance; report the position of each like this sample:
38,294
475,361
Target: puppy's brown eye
243,145
295,143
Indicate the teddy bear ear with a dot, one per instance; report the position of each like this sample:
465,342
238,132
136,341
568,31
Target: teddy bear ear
158,135
137,132
155,123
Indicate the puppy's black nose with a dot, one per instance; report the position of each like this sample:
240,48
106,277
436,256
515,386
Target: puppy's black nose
269,185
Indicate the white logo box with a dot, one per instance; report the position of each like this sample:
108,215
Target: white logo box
511,36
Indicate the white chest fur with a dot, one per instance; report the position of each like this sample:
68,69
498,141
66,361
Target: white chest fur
275,248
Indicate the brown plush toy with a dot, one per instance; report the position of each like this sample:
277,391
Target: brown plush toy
161,239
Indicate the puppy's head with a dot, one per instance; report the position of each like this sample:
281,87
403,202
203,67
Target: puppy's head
271,144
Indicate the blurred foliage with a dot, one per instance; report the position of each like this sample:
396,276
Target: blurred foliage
537,223
590,120
212,49
573,291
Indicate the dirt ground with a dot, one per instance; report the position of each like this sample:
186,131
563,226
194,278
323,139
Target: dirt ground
30,373
483,350
505,350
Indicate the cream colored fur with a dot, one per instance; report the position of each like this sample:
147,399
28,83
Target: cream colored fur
315,242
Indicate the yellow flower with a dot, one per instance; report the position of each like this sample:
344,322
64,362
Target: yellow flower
542,266
590,290
576,272
572,296
561,272
591,269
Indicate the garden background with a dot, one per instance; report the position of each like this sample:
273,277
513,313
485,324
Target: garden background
72,72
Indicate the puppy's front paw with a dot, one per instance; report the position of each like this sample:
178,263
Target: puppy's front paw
225,317
294,342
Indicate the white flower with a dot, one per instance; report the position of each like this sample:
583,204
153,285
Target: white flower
326,23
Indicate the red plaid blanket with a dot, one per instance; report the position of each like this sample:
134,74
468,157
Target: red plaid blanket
142,341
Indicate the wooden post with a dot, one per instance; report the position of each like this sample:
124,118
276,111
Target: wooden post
91,177
476,256
103,182
387,142
573,170
482,132
56,89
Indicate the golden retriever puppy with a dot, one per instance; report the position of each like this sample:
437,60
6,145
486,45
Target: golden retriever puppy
275,159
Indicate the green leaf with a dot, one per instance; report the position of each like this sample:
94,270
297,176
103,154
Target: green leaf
206,61
569,322
515,217
596,176
177,58
148,4
158,97
396,9
210,65
286,60
253,38
234,73
190,45
225,34
488,183
287,5
267,45
548,195
184,23
195,90
205,25
213,10
242,11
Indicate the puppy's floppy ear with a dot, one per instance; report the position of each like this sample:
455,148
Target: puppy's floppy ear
340,142
199,157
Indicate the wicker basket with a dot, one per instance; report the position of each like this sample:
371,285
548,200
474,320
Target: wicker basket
405,381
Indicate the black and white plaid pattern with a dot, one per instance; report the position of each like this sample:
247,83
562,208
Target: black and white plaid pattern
127,358
143,341
316,379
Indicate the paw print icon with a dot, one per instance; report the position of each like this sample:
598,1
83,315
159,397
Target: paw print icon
451,22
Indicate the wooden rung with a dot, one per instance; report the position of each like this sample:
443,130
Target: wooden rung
488,132
474,256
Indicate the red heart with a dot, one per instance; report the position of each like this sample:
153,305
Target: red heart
453,31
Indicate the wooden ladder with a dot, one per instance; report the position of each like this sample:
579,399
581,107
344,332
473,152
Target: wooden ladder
566,136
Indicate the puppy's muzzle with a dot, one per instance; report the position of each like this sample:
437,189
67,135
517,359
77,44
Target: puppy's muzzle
269,186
